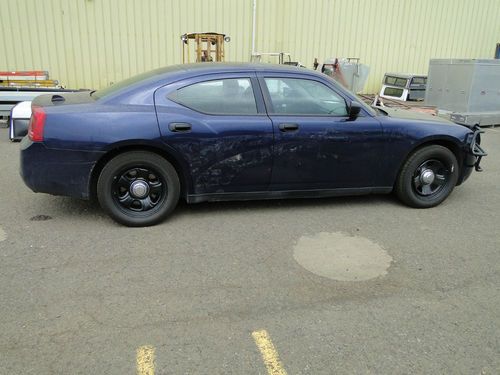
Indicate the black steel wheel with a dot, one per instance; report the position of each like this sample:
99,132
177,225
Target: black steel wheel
428,177
138,188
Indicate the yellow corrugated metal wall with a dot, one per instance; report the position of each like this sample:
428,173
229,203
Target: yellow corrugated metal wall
92,43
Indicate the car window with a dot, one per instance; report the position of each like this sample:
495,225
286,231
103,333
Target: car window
396,81
419,81
225,96
304,97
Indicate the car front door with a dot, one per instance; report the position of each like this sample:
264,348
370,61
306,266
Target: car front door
219,127
316,146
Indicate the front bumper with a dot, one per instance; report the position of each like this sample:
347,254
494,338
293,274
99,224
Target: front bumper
475,148
56,172
473,155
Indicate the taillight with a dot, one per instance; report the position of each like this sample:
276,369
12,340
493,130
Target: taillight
37,123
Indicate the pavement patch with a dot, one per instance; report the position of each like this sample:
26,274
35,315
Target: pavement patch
342,257
3,235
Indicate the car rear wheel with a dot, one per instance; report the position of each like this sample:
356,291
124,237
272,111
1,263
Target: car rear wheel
427,177
138,188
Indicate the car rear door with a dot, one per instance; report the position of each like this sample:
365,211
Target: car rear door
218,125
316,146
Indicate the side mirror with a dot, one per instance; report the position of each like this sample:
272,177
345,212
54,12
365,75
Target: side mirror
354,110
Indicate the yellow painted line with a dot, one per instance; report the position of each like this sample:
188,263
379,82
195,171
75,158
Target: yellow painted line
146,360
269,353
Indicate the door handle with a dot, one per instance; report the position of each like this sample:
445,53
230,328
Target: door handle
179,127
287,127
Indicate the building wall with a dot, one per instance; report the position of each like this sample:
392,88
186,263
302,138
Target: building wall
92,43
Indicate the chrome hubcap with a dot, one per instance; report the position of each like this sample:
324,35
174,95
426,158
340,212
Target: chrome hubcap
139,189
427,176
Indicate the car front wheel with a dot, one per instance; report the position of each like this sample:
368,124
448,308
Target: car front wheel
427,177
138,188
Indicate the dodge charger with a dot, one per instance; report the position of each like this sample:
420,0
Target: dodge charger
212,132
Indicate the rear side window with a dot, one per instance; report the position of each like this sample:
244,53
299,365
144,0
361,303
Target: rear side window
232,96
295,96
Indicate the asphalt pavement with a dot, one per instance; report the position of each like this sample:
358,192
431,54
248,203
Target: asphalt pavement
229,288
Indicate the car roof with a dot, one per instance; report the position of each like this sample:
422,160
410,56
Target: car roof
217,67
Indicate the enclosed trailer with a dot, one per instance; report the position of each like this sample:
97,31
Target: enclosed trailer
468,90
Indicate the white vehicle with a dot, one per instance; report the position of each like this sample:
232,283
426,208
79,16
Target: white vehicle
19,120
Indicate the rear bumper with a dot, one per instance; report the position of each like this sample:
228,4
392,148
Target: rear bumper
56,172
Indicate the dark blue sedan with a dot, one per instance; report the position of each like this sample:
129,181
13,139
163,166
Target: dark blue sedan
211,132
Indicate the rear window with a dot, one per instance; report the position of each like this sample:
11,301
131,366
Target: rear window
111,90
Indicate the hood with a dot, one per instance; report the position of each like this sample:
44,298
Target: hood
413,115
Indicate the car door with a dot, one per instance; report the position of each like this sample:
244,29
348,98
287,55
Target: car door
218,126
316,146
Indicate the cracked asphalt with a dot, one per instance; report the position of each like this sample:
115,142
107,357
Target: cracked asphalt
79,293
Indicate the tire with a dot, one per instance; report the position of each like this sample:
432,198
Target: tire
138,188
427,177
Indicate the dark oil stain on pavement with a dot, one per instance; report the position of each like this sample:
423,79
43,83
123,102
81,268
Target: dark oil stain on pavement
41,218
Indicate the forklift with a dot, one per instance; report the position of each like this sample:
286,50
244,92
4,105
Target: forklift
208,47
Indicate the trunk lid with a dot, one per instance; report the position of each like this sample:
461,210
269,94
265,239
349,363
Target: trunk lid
63,98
